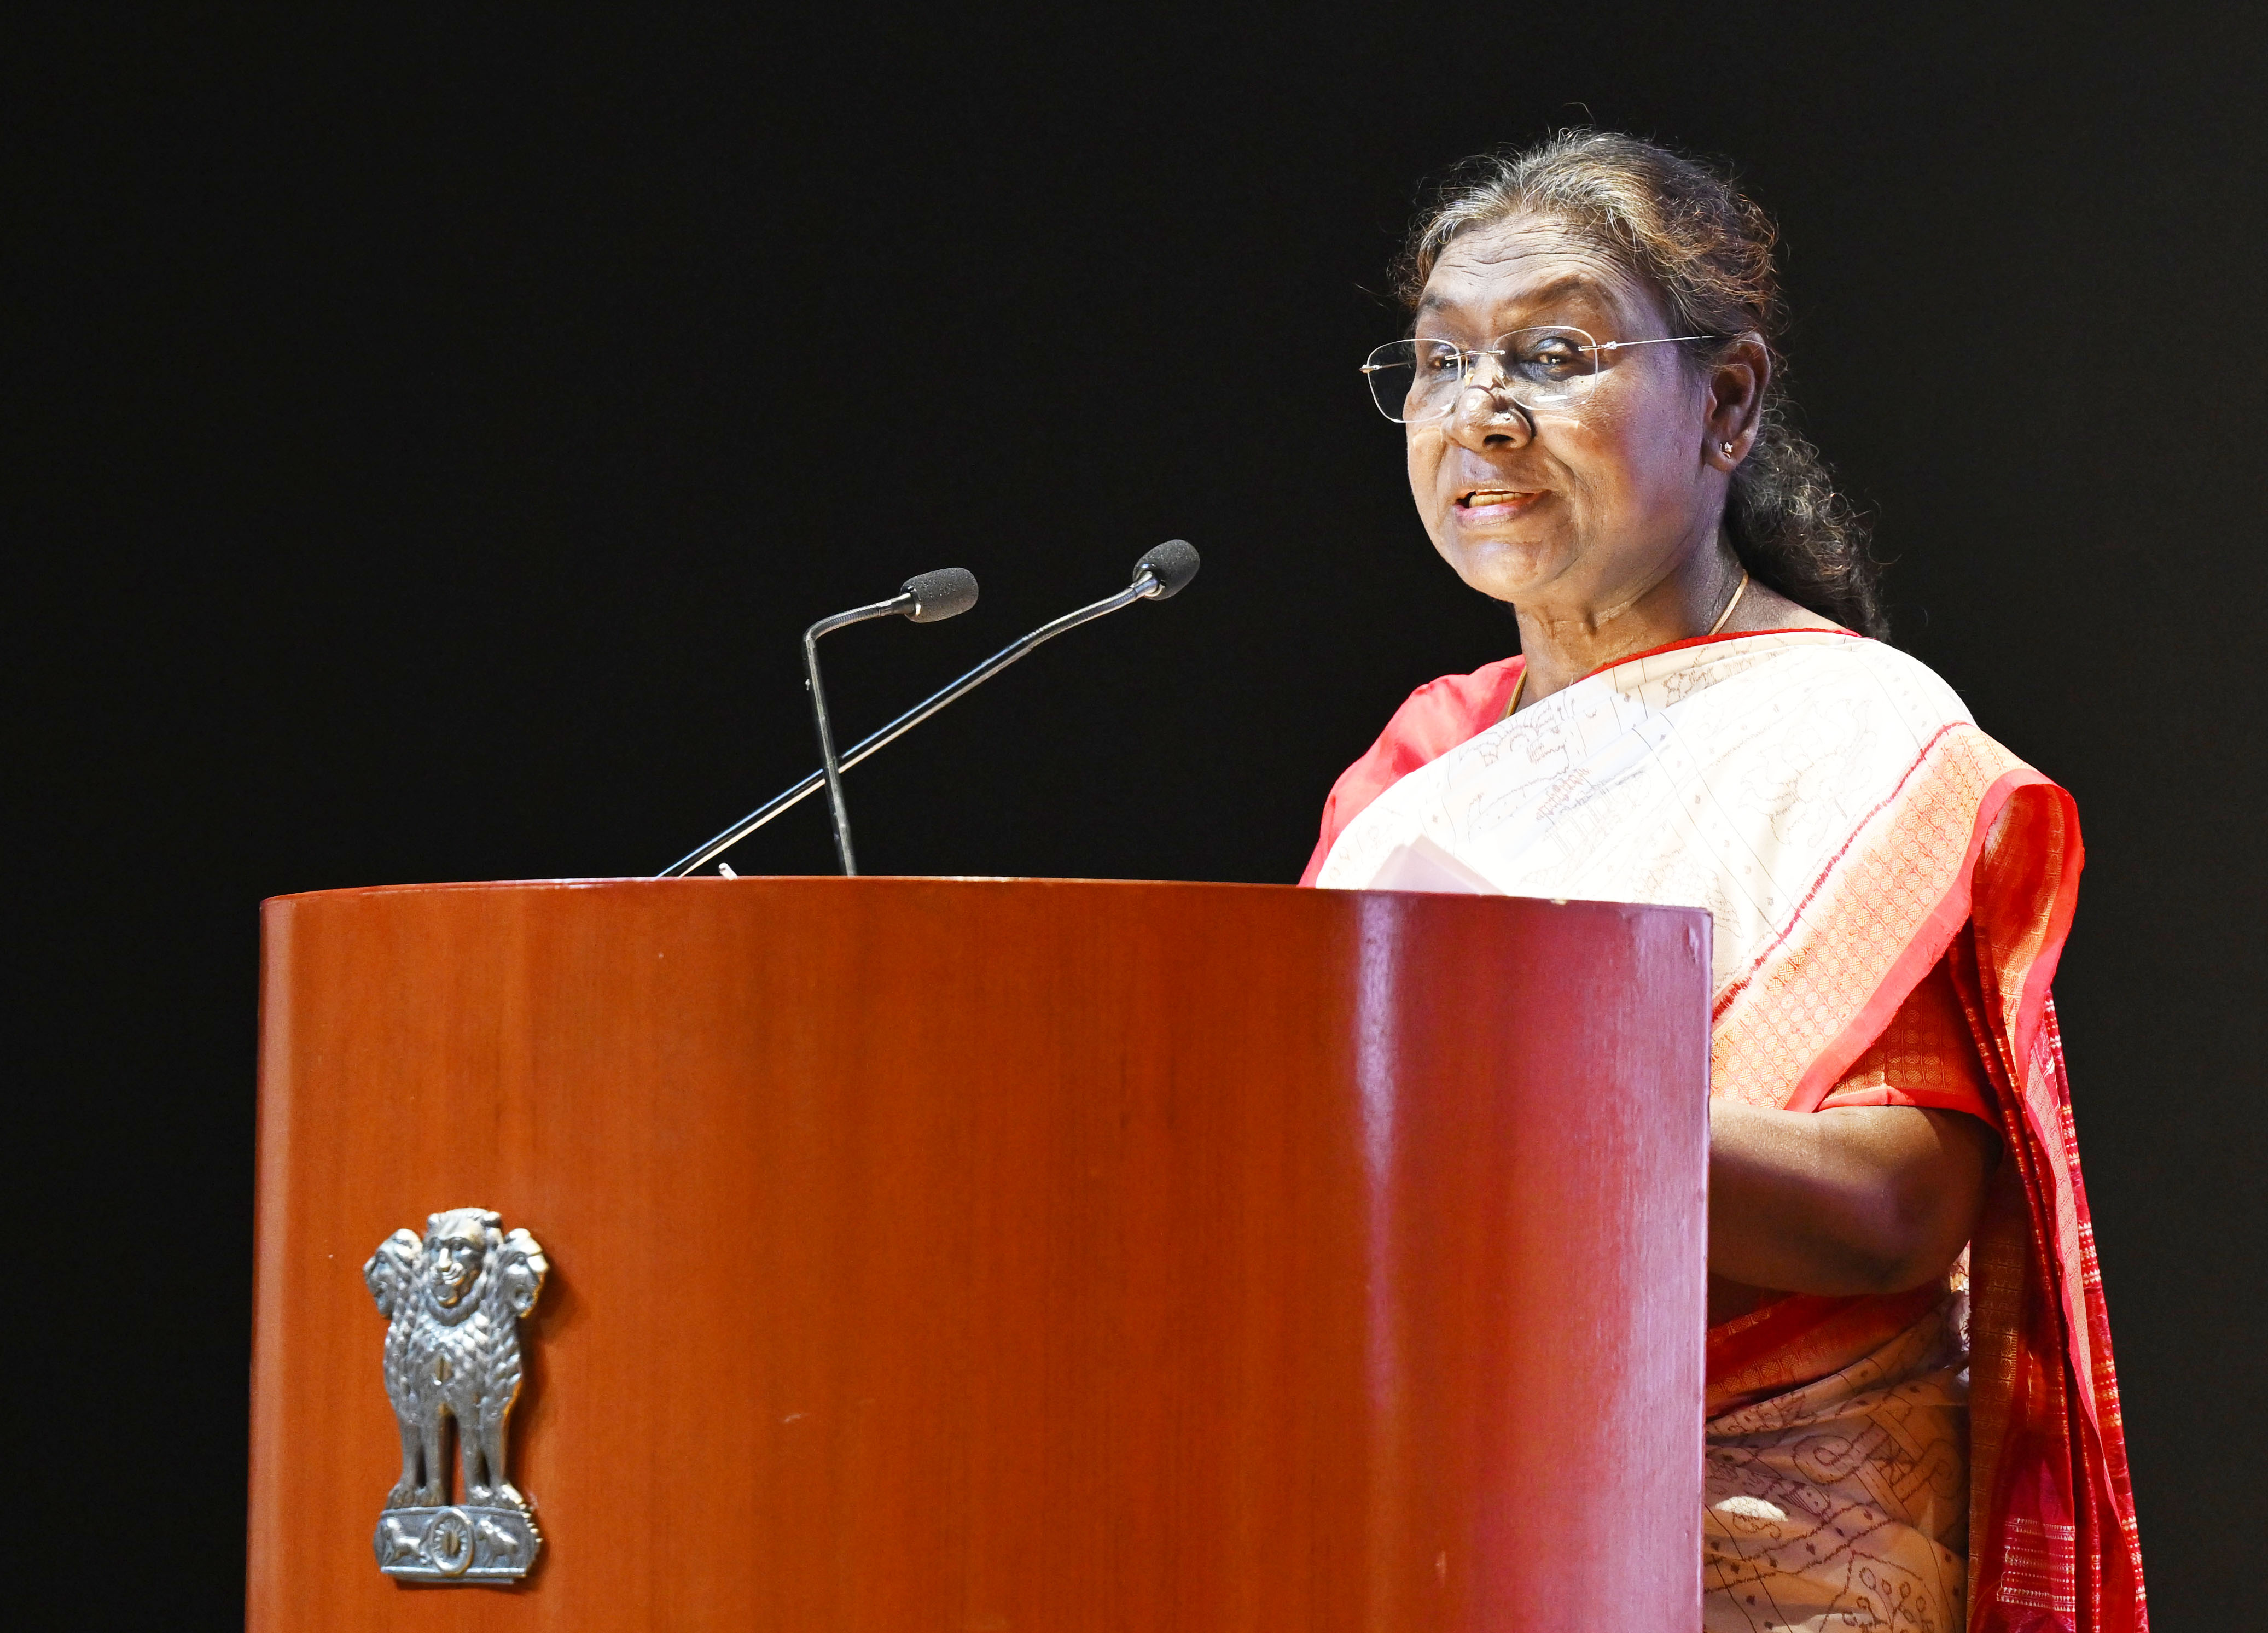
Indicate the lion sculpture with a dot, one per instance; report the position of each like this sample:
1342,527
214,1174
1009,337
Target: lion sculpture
453,1303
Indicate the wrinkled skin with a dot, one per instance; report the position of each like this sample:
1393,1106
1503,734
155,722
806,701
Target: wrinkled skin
1600,522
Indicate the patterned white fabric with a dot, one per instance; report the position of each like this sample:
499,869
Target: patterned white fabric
1725,775
1844,1504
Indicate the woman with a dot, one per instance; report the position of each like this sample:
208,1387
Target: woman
1911,1404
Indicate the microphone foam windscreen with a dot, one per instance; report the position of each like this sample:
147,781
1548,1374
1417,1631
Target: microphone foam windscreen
946,593
1173,563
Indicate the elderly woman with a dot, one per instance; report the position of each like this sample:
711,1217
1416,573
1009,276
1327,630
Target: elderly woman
1910,1397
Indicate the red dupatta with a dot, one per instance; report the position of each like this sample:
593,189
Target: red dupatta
2052,1537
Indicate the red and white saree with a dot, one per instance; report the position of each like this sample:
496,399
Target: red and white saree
1890,891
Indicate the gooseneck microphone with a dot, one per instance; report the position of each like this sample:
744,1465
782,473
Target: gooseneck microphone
1159,574
926,597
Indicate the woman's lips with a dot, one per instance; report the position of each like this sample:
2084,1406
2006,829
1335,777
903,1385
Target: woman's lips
1494,504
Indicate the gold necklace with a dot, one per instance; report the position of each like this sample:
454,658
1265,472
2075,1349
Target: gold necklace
1739,589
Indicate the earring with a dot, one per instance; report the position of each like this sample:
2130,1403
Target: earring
1727,447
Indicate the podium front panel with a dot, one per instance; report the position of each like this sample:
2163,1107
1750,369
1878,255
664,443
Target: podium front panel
985,1255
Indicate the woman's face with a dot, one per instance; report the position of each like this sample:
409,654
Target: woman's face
1586,505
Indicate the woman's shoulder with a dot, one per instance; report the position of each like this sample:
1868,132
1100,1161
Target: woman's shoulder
1846,694
1895,670
1819,661
1431,721
1450,709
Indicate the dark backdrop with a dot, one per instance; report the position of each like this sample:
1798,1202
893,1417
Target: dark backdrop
429,437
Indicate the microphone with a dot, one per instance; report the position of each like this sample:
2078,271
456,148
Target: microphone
1173,564
947,592
1159,574
926,597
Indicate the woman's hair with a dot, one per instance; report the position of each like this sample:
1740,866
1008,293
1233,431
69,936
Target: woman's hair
1706,248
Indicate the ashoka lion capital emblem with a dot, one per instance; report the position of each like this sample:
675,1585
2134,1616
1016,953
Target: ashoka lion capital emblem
453,1300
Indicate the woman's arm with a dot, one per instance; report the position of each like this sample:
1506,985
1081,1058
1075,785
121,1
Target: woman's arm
1854,1199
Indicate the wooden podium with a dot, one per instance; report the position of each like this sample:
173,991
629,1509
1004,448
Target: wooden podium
991,1255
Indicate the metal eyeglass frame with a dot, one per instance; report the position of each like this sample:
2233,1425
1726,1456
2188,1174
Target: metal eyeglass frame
1467,357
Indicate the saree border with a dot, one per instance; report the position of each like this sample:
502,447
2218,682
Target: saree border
1880,913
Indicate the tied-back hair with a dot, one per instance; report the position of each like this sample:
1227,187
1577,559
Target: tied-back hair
1706,248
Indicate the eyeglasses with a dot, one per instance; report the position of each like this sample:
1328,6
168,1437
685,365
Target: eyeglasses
1414,382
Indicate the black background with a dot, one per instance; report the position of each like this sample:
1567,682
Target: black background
429,436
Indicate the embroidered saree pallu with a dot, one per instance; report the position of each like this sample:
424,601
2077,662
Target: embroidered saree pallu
1890,890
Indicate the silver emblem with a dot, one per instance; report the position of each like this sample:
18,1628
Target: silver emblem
453,1302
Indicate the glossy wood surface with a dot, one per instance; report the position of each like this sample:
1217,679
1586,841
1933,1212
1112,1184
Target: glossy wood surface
984,1256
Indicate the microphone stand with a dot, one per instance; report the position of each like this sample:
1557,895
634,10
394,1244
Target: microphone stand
1145,586
838,813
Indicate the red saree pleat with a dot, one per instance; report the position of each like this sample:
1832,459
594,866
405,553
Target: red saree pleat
2052,1536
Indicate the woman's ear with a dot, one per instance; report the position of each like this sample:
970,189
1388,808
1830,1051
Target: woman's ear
1738,380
